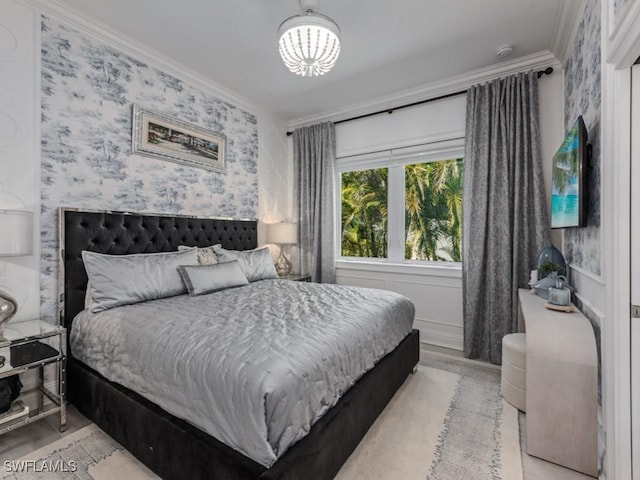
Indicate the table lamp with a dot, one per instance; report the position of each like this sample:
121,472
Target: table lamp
16,239
282,234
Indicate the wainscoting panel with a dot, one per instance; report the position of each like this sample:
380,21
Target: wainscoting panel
360,281
436,293
440,334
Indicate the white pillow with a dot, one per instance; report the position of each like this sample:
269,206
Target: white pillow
125,279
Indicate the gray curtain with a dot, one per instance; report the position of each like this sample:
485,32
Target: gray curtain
314,155
505,217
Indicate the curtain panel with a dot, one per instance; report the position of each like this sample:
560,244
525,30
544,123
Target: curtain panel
314,157
505,217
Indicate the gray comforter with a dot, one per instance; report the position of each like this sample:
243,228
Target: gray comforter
253,366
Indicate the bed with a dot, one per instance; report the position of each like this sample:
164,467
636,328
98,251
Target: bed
168,445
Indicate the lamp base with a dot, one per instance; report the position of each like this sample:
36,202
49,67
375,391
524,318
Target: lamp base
8,307
283,266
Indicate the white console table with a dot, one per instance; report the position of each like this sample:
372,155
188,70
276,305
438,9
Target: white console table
561,385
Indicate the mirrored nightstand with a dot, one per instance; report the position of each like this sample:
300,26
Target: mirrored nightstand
27,345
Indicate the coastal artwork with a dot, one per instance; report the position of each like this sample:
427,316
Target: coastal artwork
169,138
565,189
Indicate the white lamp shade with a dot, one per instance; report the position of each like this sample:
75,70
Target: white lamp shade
16,233
282,233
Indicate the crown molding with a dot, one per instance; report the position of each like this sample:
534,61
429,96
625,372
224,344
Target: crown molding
65,13
535,61
570,14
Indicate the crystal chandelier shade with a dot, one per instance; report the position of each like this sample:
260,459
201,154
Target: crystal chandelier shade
309,43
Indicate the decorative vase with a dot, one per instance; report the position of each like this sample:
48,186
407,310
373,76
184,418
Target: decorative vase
550,259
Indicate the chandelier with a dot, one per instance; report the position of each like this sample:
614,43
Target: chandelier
309,43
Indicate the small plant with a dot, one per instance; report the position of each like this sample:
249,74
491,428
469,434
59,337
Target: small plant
548,267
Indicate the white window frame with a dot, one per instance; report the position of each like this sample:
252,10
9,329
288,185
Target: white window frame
394,160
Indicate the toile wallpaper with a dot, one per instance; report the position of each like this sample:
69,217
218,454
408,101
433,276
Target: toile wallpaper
88,89
582,246
583,97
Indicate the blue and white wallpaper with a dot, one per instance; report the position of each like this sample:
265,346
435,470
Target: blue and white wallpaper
583,97
88,89
582,246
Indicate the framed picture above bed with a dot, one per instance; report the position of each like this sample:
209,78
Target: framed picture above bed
169,138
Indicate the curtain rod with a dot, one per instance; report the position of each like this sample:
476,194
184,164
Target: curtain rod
546,71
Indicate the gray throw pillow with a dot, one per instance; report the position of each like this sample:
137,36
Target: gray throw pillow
206,255
202,279
256,264
125,279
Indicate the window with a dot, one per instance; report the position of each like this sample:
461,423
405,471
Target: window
402,205
364,213
433,211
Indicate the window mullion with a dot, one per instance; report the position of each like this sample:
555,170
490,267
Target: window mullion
396,209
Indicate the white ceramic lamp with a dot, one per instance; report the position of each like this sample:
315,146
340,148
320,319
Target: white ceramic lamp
282,234
16,239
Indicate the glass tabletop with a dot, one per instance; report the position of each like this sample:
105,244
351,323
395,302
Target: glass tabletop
14,332
28,343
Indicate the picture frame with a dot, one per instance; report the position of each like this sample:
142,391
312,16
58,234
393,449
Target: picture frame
169,138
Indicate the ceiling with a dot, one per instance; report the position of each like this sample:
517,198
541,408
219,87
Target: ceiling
388,46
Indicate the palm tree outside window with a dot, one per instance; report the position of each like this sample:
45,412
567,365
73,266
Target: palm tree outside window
432,192
433,211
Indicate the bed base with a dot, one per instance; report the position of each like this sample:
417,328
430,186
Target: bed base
174,449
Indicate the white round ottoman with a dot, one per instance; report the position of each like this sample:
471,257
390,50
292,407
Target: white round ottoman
514,369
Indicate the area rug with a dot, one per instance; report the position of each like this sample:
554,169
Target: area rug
480,438
447,422
85,454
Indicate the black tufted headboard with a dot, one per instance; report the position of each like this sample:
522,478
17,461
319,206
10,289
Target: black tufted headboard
118,233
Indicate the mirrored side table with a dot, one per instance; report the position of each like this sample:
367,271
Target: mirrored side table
28,345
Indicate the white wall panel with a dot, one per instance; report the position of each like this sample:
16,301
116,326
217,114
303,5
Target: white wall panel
19,145
359,281
275,176
435,292
551,99
440,334
434,302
